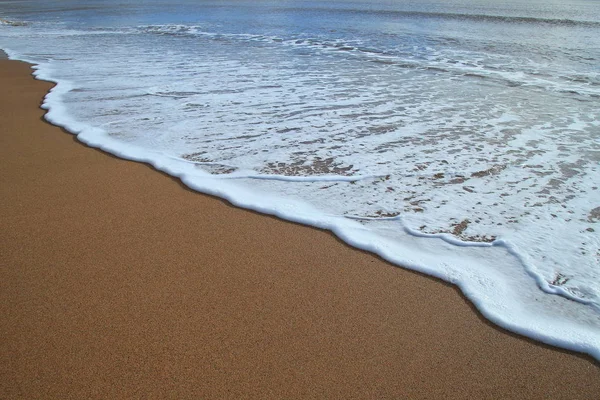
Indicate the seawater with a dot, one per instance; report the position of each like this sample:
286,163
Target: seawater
458,138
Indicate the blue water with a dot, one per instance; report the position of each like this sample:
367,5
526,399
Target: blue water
457,138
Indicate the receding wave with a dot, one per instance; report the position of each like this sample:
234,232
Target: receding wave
468,157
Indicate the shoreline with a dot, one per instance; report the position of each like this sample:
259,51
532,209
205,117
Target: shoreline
134,285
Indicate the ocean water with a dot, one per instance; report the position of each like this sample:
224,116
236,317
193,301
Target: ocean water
458,138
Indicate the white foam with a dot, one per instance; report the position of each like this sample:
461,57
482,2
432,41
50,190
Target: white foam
390,159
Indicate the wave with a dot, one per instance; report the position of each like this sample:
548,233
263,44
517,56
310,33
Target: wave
450,64
475,278
397,106
457,16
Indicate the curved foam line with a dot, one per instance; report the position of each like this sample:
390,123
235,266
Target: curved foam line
574,338
544,285
359,218
275,177
577,346
445,237
316,178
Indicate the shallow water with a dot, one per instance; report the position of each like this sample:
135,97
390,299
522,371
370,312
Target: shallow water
461,139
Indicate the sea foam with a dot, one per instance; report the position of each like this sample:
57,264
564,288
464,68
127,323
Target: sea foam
466,164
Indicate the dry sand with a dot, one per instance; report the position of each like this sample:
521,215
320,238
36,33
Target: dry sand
118,282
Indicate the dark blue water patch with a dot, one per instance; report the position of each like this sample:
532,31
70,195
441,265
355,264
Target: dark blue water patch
391,14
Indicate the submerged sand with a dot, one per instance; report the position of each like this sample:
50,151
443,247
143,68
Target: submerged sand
118,282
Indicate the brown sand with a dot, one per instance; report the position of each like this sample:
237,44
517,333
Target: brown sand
117,282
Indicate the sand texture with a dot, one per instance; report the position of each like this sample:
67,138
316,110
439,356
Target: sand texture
117,282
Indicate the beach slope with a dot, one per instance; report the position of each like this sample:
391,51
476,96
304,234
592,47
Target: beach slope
118,282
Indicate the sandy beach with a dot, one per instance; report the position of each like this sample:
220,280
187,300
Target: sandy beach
117,282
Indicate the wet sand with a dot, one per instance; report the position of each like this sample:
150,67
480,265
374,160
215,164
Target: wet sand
118,282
